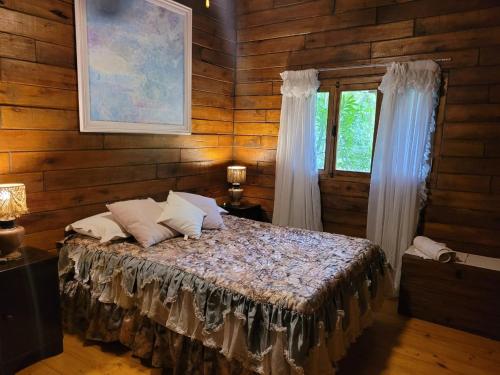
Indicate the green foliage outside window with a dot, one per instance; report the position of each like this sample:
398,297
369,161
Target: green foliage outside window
355,133
322,99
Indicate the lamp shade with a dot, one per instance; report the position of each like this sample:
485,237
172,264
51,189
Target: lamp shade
12,201
236,174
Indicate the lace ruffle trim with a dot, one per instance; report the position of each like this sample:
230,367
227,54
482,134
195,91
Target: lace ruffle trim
418,75
299,83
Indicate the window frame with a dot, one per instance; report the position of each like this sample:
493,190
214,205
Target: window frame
335,89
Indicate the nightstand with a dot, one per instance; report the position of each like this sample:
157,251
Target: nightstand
247,211
30,317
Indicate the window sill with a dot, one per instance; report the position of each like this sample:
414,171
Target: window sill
346,176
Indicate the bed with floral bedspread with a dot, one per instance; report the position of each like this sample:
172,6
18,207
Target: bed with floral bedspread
251,298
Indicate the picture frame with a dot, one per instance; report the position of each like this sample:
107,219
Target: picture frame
134,63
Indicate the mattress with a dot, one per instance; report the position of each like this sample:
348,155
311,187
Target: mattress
278,300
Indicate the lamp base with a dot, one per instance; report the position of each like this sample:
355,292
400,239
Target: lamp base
235,194
15,255
10,240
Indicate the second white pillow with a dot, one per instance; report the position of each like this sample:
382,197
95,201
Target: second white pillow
101,226
182,216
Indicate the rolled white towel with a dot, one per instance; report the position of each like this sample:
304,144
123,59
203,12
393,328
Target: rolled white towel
434,250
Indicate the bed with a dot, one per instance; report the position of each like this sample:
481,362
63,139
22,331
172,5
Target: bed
252,298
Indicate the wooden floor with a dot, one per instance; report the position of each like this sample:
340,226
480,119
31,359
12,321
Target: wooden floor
392,346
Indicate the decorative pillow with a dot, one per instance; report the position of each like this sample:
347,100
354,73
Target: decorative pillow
101,226
183,216
139,217
213,220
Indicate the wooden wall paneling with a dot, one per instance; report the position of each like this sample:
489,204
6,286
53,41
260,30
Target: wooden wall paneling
287,13
212,127
462,148
56,10
291,43
24,118
490,56
468,94
258,75
46,201
472,130
440,42
458,21
29,73
308,25
23,162
69,179
427,8
244,6
55,55
4,162
37,140
17,47
465,180
459,59
396,30
331,54
475,75
205,84
33,181
70,175
18,23
115,141
37,96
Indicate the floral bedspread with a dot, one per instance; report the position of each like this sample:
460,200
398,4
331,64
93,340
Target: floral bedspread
291,268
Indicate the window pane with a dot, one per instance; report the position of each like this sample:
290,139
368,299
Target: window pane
355,133
322,99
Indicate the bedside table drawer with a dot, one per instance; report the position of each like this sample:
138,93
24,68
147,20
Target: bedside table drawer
30,323
18,316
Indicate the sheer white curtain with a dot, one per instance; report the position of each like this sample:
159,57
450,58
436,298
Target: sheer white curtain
297,199
402,158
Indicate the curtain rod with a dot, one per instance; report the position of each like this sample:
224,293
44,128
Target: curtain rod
371,65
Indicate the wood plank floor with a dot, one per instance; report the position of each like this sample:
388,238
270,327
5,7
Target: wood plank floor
392,346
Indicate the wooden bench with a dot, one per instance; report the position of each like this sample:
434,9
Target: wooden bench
457,295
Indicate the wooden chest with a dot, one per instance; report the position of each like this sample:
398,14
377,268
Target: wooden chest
451,294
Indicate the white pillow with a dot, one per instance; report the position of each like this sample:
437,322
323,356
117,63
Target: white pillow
101,226
139,218
222,211
213,220
182,216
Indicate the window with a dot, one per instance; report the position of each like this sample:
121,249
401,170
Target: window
355,133
346,119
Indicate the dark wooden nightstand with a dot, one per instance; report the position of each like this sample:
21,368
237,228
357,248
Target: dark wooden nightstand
247,211
30,316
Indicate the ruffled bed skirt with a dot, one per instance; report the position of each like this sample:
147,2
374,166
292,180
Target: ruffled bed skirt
148,340
189,351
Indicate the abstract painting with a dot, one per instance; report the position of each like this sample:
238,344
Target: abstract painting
134,66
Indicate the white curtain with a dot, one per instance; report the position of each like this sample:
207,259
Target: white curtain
402,158
297,201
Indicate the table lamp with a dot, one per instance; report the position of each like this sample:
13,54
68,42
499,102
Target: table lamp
236,175
12,206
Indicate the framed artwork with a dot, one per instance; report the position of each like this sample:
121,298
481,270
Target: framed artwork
134,66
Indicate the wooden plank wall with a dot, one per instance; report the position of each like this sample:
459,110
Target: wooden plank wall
274,35
70,175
